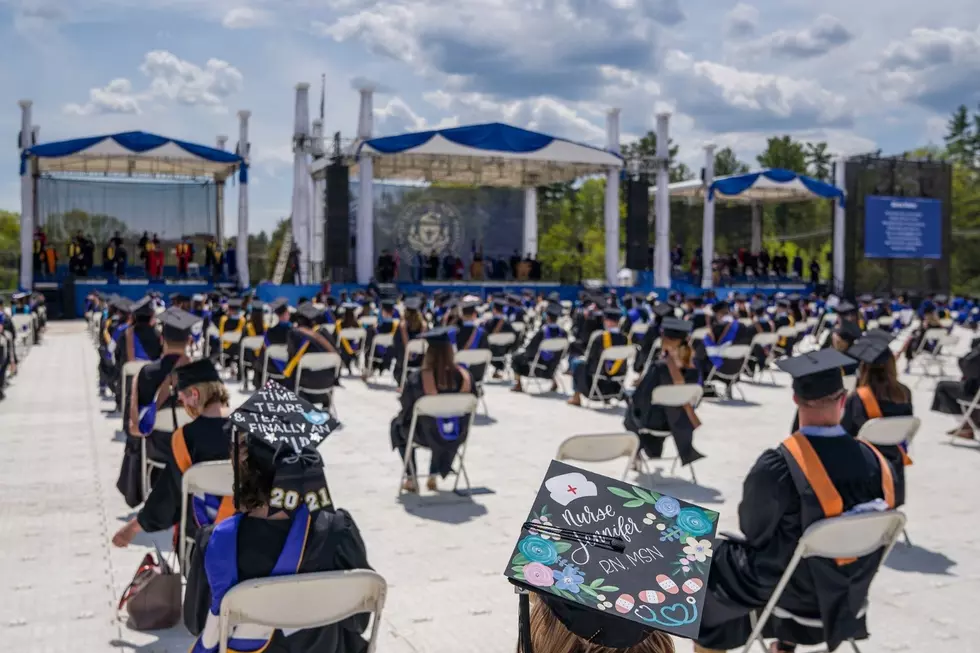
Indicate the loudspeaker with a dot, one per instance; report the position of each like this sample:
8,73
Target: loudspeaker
637,224
337,229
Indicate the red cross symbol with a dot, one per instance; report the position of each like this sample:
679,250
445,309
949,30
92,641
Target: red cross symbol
572,489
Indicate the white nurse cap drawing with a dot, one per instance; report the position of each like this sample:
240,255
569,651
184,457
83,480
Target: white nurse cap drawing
566,488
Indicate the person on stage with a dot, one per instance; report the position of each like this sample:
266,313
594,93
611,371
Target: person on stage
818,472
185,254
547,364
444,437
583,370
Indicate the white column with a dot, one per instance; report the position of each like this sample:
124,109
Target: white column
661,252
708,228
241,250
611,212
756,227
317,215
365,192
837,278
26,201
530,221
220,199
301,180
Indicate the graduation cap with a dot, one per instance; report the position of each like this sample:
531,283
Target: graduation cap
143,308
663,310
235,303
310,312
866,298
941,299
676,328
794,297
499,303
612,314
872,348
759,307
179,297
816,374
553,310
413,304
279,305
439,334
846,307
281,433
198,298
470,305
554,296
122,304
178,324
19,295
720,305
199,371
388,304
608,561
848,330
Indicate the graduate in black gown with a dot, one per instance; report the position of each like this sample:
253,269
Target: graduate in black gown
382,355
302,339
232,322
277,334
254,328
583,370
674,368
948,392
547,365
137,342
349,350
408,329
879,394
205,398
471,335
783,494
443,437
498,323
760,324
286,524
645,351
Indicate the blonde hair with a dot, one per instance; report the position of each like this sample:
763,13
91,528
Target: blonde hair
549,635
211,392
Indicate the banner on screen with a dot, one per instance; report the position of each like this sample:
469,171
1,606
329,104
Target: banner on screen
902,227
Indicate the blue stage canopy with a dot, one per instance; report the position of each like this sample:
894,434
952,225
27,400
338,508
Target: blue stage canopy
775,184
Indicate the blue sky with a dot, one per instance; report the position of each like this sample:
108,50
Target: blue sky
860,75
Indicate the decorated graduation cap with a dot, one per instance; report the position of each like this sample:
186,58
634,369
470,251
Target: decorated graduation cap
281,433
873,348
614,562
676,328
178,324
816,374
199,371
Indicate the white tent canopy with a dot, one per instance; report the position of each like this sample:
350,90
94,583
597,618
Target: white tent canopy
771,185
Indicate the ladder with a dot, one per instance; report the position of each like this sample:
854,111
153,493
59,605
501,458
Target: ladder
283,260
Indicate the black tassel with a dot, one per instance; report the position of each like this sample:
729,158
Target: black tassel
524,624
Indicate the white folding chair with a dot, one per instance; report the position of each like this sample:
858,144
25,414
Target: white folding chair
699,334
164,422
502,340
253,343
384,340
274,353
129,370
518,327
637,331
318,362
765,340
228,338
354,336
739,353
624,353
216,478
850,383
303,601
789,333
674,396
871,325
440,406
891,431
968,407
886,322
846,536
929,361
556,347
600,448
414,347
211,332
470,358
23,333
368,321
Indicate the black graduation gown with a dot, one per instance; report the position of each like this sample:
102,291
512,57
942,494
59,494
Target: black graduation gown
302,340
499,324
588,325
855,417
521,361
743,336
401,340
948,392
230,325
382,358
759,353
584,373
646,345
333,543
201,440
430,432
473,336
745,573
642,414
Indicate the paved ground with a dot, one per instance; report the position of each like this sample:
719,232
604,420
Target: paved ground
442,555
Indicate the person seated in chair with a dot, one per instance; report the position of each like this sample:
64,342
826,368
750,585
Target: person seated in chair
444,437
253,357
950,393
205,399
348,349
303,339
725,331
676,367
410,328
583,370
817,473
233,321
470,335
498,323
645,353
930,320
549,361
271,535
137,342
387,325
760,324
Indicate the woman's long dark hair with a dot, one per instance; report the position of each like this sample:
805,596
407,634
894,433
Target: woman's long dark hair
440,361
349,321
257,318
882,378
414,322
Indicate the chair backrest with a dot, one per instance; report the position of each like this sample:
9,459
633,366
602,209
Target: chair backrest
553,344
383,340
501,339
304,601
21,321
252,342
639,328
213,331
416,346
931,335
886,321
677,395
617,353
735,352
872,324
852,536
765,339
317,361
449,404
699,334
745,321
517,326
473,357
946,322
786,331
214,477
890,430
598,447
164,420
812,322
369,321
850,383
353,334
231,336
131,368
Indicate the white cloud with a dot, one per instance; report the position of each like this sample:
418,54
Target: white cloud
115,97
742,21
826,33
246,18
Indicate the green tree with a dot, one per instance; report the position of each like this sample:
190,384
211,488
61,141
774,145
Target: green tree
727,163
646,147
9,249
784,152
818,161
961,145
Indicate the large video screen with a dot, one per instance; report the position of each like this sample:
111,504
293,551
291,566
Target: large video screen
902,227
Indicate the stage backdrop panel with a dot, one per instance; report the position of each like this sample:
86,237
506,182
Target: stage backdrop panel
903,227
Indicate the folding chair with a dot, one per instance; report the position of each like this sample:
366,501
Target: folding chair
846,536
414,347
674,396
557,347
519,330
968,408
471,357
318,362
502,340
216,478
929,361
303,601
599,448
211,332
699,334
654,348
637,331
731,353
129,370
891,431
624,353
368,321
276,353
787,332
23,334
164,422
354,336
444,406
250,342
762,340
385,340
850,383
229,338
886,322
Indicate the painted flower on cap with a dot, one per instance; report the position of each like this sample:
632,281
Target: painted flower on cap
538,575
537,549
694,521
667,506
568,579
699,550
